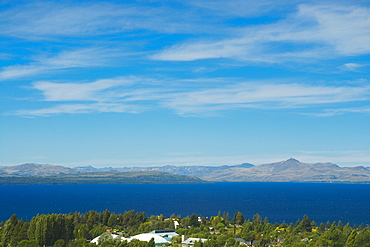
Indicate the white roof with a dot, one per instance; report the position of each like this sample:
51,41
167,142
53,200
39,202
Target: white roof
193,240
96,240
148,236
163,233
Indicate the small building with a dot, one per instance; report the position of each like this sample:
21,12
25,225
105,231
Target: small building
168,234
176,224
252,243
241,241
191,241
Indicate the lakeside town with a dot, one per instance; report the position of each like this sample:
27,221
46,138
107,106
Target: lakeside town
135,229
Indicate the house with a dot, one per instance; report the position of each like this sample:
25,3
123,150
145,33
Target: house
213,231
252,243
176,224
191,241
278,242
241,241
168,234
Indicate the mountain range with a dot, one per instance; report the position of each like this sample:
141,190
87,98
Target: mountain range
293,170
32,169
290,170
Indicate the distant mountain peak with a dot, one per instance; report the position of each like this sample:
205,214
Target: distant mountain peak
244,165
292,160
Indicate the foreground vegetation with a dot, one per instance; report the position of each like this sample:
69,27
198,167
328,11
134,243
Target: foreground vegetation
76,229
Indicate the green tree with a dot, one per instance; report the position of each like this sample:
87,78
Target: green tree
340,225
304,225
59,243
91,219
151,243
238,218
226,217
299,244
97,230
322,228
193,220
47,229
351,239
112,220
335,237
14,231
105,217
106,238
27,243
363,238
10,230
256,219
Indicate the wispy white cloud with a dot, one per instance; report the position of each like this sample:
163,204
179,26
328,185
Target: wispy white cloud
353,66
233,48
120,94
91,91
120,89
264,96
4,56
340,111
50,20
41,64
312,32
242,8
78,109
335,26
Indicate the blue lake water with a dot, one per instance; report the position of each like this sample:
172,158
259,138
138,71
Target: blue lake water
277,201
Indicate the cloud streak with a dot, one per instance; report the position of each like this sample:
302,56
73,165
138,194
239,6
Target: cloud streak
135,94
265,96
51,20
77,91
78,109
241,8
341,111
42,64
310,32
320,32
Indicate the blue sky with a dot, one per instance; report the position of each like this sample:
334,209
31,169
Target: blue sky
145,83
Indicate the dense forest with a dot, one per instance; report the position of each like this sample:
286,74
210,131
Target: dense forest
76,229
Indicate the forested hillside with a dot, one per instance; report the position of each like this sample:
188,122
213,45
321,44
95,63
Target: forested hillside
77,230
140,177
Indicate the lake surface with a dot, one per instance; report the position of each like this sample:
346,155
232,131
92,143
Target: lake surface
277,201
